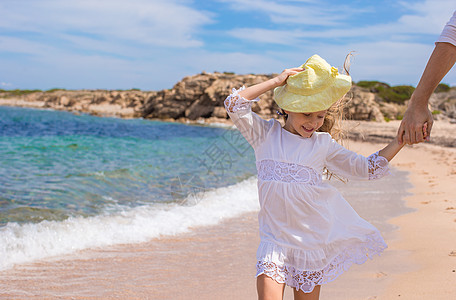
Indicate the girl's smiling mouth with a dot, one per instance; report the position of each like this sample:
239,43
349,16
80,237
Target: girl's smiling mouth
306,129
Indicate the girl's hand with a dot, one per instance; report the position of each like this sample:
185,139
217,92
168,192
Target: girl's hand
425,136
256,90
282,78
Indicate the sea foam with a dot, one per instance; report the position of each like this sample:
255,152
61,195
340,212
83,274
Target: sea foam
22,243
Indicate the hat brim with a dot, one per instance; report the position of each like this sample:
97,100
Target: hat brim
320,101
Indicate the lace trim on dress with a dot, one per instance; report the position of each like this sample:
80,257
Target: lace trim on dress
307,280
234,102
377,166
271,170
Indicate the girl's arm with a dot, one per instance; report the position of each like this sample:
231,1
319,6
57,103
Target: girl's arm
238,105
351,165
256,90
395,146
391,149
378,163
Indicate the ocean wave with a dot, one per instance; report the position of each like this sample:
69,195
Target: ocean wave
22,243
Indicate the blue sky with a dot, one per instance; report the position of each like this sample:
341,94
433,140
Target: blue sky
151,44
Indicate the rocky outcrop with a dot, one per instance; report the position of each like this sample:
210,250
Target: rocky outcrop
125,104
444,104
200,97
363,105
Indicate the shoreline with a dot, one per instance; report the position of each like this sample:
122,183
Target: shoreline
356,130
110,111
189,267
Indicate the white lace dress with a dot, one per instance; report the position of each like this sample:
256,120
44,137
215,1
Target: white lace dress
309,233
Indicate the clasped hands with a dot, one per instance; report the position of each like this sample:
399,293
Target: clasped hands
415,126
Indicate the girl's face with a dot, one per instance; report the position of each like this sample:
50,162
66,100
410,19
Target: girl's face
304,124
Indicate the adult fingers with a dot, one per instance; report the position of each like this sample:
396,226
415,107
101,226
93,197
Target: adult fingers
418,136
406,137
428,129
400,132
407,130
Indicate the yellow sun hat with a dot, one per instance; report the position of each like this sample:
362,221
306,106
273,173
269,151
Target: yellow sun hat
315,89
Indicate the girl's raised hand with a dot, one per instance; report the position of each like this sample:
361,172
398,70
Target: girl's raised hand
256,90
281,79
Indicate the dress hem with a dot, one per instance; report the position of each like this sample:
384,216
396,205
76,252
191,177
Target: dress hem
307,280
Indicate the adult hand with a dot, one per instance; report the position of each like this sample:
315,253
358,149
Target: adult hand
412,129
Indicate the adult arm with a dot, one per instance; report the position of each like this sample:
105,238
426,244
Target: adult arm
441,61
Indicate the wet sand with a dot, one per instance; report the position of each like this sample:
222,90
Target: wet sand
218,262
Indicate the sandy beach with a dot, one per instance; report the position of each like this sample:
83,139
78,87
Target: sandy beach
218,262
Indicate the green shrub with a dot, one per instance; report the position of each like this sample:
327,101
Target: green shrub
396,94
371,84
18,92
54,90
436,112
442,88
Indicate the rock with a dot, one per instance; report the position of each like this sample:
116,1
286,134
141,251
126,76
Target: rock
202,95
220,112
65,101
199,109
362,105
392,111
443,105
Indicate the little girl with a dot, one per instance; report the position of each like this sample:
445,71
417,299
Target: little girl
309,233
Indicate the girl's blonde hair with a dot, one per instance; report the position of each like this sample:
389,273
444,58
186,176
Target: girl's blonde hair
335,114
333,120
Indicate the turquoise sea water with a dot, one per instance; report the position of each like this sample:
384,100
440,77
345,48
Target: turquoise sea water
55,165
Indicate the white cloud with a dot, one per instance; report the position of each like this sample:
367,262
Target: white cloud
160,23
426,16
19,45
389,61
95,44
268,36
291,12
